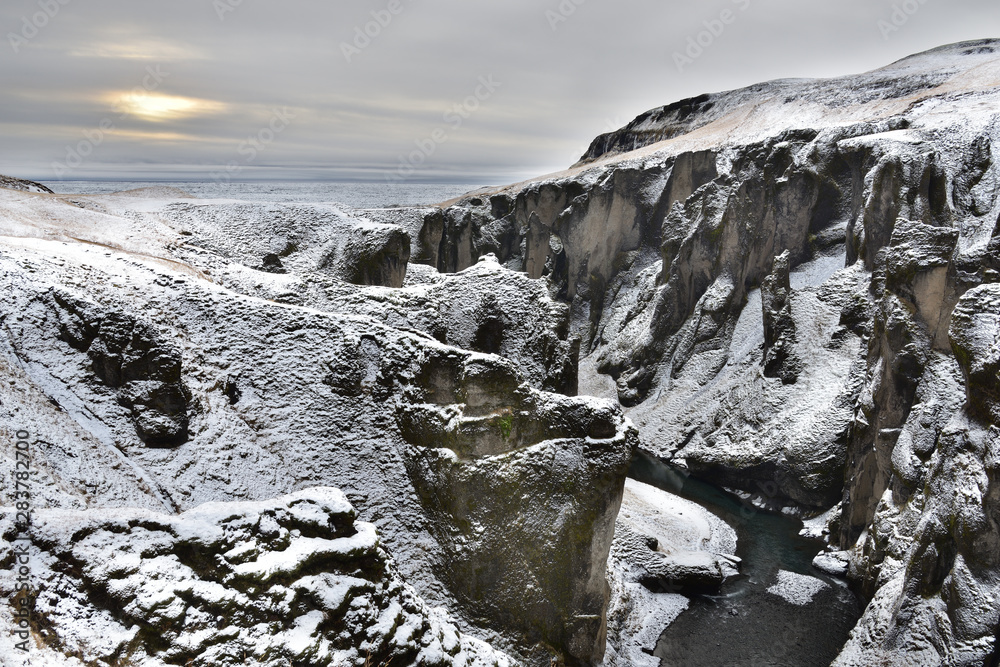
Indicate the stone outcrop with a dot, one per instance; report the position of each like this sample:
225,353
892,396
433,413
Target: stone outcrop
130,356
484,451
279,238
372,255
294,580
23,185
656,125
975,324
779,326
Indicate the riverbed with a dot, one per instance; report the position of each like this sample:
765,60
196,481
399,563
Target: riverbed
780,611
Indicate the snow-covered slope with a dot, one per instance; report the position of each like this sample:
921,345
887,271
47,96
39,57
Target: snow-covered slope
157,364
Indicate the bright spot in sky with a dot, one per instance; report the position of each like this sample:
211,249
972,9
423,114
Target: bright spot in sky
159,107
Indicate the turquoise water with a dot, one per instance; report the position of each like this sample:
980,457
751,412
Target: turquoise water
744,624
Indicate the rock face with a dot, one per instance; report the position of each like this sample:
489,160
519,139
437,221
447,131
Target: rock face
295,580
791,287
934,589
779,325
129,356
373,255
931,552
483,451
975,323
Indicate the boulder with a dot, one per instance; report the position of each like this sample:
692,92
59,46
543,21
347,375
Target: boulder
375,255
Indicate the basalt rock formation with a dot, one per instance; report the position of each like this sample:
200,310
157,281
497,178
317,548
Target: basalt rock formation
484,450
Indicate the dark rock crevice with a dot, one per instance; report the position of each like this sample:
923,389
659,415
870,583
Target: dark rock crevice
129,356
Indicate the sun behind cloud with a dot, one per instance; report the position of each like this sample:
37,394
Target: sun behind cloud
155,106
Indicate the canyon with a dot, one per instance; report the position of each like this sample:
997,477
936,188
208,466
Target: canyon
305,434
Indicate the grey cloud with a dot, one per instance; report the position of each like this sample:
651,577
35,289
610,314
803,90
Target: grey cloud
604,62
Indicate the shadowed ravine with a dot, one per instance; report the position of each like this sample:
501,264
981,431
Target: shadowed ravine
745,624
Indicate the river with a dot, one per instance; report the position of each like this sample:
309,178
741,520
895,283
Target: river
780,611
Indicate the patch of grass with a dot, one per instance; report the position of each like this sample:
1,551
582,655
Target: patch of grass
506,424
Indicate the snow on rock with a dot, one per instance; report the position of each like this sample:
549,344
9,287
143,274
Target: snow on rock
797,588
294,580
636,620
671,545
269,236
676,523
292,253
300,379
23,185
664,545
834,563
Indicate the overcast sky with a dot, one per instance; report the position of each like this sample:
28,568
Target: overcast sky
475,92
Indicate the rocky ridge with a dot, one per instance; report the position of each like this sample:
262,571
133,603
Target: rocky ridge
23,185
295,580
